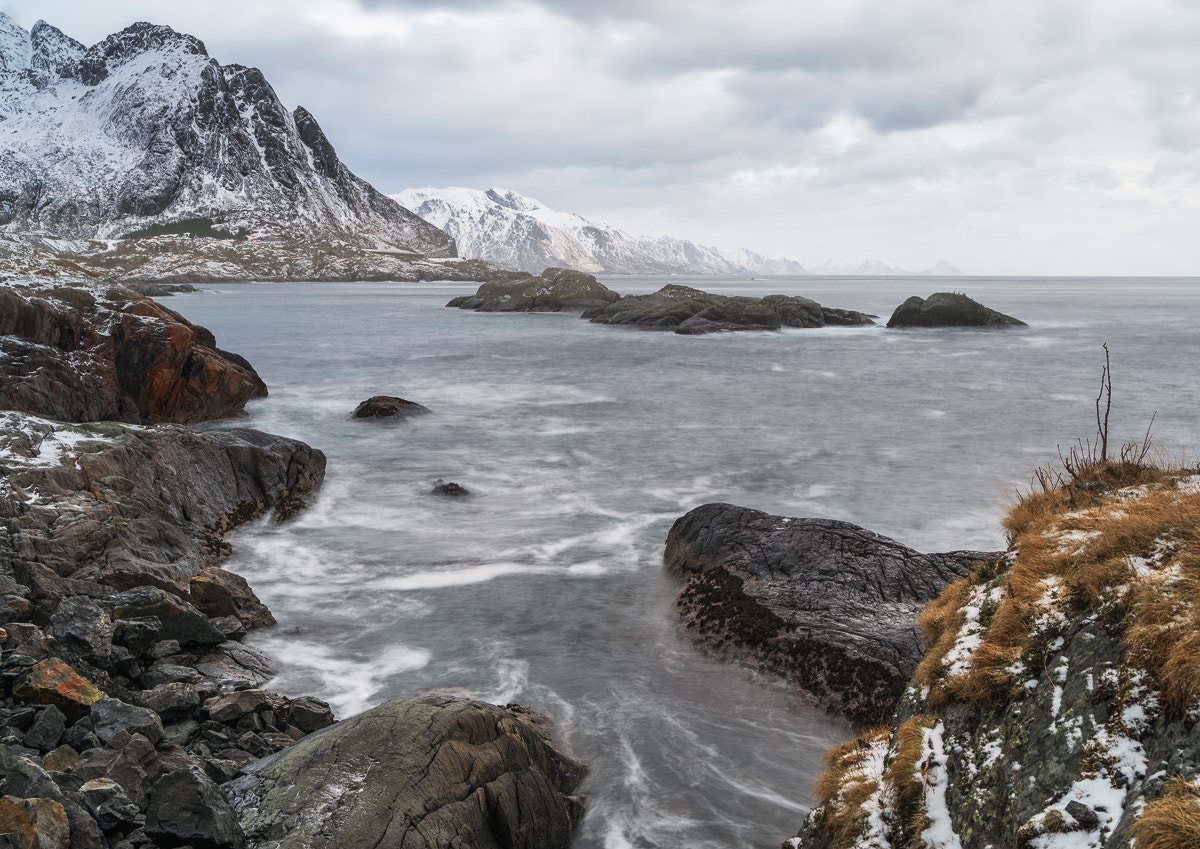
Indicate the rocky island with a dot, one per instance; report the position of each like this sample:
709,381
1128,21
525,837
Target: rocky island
681,309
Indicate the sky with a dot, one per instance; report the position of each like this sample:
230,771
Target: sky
1004,136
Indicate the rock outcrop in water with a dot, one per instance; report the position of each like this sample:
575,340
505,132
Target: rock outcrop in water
414,773
389,407
827,604
949,309
681,309
106,353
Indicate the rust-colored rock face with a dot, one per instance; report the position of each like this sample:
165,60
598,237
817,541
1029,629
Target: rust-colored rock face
52,682
76,356
36,822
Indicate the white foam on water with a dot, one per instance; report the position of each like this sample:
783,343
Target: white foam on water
444,578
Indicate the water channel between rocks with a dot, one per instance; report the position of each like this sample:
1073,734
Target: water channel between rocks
582,443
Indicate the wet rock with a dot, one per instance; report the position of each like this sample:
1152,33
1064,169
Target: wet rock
171,700
47,729
948,309
187,808
169,673
389,407
180,620
52,682
308,714
218,593
108,803
137,635
235,666
449,489
128,759
61,759
40,823
231,707
554,290
827,604
112,716
441,772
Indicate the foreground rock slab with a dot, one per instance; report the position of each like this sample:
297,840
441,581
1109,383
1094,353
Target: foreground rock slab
827,604
949,309
429,771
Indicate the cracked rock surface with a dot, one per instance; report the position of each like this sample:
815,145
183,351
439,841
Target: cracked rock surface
828,604
427,771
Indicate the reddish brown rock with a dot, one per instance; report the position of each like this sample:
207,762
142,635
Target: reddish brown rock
231,707
217,593
52,682
40,823
114,355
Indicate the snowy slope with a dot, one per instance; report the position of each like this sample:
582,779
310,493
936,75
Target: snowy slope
145,128
519,232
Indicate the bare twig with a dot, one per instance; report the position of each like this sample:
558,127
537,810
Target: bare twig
1105,390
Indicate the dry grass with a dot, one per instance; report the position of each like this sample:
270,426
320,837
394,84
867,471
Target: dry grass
906,777
1084,546
1172,821
850,778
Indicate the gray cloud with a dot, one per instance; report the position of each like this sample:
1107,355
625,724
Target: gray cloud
928,129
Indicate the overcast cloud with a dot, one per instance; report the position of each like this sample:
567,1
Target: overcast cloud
1036,136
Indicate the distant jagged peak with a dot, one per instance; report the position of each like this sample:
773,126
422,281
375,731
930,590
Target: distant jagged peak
130,43
54,52
16,51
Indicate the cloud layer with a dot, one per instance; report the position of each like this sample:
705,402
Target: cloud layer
1059,137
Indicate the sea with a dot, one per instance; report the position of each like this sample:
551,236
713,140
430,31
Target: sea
580,444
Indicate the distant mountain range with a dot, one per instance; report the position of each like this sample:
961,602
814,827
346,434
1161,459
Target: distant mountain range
145,134
518,232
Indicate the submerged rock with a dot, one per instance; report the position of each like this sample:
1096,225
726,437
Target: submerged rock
948,309
449,489
827,604
389,407
429,771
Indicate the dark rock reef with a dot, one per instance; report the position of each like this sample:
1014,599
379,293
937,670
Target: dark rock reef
107,353
429,771
389,407
949,309
829,605
679,308
554,290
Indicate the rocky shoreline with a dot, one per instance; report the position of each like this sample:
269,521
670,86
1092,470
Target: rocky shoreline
128,700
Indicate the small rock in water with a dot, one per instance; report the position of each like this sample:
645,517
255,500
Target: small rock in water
388,407
449,489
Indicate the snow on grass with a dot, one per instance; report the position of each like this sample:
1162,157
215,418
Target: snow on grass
970,634
940,834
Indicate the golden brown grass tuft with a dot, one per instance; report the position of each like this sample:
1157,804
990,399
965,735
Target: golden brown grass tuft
1172,821
851,776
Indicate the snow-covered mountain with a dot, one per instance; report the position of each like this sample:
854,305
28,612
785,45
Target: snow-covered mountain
868,267
512,230
145,130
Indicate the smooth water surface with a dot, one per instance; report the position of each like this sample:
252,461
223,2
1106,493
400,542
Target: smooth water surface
582,443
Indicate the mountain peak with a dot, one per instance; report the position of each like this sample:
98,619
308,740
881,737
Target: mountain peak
510,229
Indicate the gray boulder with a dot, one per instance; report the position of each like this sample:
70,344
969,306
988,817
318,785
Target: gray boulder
827,604
188,809
949,309
389,407
429,771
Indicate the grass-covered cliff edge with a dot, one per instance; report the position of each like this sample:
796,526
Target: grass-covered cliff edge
1058,704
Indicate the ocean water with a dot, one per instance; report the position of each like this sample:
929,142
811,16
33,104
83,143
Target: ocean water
581,444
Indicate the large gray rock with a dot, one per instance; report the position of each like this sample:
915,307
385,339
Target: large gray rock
691,311
949,309
409,774
553,290
188,809
827,604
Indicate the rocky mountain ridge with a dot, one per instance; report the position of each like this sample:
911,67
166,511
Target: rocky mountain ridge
519,232
145,129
